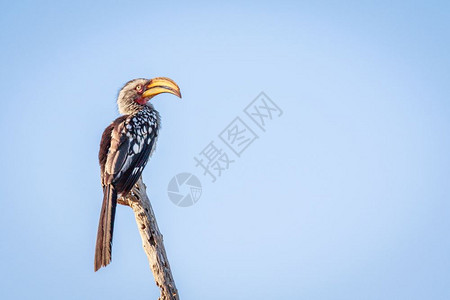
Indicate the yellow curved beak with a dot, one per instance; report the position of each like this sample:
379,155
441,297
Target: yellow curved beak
160,85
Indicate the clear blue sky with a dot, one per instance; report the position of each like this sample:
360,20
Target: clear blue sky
345,196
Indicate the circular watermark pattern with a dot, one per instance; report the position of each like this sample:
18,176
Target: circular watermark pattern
184,189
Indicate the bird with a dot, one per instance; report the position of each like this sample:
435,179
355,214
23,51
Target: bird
125,148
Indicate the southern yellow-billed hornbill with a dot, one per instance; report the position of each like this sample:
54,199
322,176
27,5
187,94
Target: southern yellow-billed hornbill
125,148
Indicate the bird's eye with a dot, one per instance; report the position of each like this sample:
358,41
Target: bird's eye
139,88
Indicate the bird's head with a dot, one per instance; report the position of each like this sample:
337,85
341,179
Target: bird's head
137,93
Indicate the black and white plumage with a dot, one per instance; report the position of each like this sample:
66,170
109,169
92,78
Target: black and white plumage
125,148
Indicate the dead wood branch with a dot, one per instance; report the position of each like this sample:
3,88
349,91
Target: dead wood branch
152,240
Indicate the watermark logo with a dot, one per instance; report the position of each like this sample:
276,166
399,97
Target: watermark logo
213,161
184,189
221,154
238,136
262,110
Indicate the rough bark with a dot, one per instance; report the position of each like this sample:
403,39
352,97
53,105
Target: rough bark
152,240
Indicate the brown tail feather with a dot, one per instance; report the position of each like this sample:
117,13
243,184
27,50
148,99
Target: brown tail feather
105,228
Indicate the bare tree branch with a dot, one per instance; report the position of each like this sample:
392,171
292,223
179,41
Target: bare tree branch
152,240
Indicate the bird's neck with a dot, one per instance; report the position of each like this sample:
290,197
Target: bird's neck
133,108
147,112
